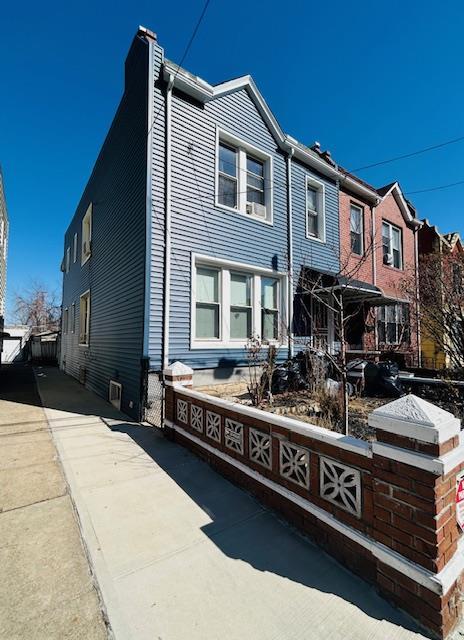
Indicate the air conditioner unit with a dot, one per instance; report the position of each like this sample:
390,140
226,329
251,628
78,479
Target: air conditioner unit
388,258
256,209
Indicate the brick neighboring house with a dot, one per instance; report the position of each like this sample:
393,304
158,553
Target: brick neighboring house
431,241
378,240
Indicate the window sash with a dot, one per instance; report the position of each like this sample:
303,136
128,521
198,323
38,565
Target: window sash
245,304
356,229
245,185
392,244
392,324
314,205
84,319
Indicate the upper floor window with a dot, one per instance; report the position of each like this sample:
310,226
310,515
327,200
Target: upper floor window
315,214
392,245
231,304
75,248
86,234
356,229
73,317
244,178
68,259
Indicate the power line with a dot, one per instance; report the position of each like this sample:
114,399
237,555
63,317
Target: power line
184,55
443,186
410,155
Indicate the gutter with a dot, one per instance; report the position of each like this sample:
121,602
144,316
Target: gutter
167,226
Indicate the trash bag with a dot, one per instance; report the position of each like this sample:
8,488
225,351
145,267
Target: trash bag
382,380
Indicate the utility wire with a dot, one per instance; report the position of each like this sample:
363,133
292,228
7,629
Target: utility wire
443,186
410,155
187,49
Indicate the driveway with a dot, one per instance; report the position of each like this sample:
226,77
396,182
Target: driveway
182,554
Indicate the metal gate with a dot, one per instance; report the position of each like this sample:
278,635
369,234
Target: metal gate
154,398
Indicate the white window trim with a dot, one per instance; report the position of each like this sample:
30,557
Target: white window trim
75,248
320,186
65,321
89,214
226,266
68,260
84,344
353,205
242,148
392,226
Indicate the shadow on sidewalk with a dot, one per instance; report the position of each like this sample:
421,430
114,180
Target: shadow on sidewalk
241,527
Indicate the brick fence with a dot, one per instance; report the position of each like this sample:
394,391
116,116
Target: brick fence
384,509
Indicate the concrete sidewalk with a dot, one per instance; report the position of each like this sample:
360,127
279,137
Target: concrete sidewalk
180,553
46,589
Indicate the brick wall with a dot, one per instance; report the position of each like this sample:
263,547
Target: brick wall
362,269
386,509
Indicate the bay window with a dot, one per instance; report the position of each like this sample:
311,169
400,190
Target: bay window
243,178
232,302
392,245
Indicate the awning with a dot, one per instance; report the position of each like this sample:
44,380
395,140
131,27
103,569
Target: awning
354,291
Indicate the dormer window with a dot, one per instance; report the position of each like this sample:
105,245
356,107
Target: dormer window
243,178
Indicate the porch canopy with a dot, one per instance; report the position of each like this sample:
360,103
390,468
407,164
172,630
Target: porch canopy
353,291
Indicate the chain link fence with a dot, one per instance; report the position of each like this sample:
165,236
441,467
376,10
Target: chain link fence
154,398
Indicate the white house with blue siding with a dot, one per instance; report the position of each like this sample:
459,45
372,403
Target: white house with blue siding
192,231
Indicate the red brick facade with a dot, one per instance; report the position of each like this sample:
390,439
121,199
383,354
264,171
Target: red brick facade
370,268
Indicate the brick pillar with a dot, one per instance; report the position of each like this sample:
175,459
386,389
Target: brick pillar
176,374
416,459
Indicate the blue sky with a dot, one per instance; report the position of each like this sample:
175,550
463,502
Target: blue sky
368,80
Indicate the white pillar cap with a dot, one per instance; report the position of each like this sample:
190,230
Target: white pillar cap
415,418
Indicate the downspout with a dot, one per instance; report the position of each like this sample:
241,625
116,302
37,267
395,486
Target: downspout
416,261
167,225
374,267
290,253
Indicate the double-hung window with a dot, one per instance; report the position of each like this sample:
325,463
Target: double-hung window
227,178
73,317
356,229
65,320
68,259
240,306
393,324
232,302
75,248
315,215
84,319
392,245
244,178
270,308
207,304
86,235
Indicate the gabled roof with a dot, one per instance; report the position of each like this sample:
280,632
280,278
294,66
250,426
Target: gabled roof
205,92
408,211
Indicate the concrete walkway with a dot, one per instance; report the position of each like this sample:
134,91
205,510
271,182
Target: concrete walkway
180,553
46,589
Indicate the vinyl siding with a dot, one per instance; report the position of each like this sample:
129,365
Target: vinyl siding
115,272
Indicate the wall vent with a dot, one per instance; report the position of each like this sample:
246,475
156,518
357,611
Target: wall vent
115,394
